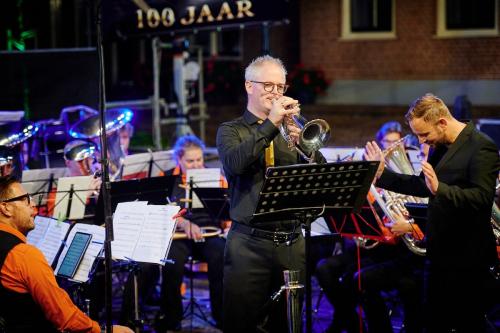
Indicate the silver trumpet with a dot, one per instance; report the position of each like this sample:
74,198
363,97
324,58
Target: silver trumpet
314,135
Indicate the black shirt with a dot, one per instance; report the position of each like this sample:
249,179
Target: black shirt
241,144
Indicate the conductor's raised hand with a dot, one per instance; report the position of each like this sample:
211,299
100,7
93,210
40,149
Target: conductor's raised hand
374,153
431,179
282,107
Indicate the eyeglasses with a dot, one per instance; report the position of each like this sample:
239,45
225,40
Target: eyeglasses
389,141
269,86
26,196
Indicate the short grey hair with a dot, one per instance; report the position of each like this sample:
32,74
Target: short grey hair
252,68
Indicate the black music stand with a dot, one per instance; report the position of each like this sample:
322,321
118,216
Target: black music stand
154,190
305,192
72,195
215,200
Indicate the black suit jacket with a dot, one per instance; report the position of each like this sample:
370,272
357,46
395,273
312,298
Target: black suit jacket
458,231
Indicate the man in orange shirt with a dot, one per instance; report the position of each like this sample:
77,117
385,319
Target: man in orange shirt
32,301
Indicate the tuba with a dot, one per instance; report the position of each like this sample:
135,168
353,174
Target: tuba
314,135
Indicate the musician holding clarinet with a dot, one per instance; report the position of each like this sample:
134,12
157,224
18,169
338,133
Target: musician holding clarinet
256,255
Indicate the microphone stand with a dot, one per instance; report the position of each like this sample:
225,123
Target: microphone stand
105,188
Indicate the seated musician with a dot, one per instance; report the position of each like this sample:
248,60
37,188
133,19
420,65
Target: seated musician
31,299
188,152
80,159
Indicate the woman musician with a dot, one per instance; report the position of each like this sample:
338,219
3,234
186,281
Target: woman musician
188,151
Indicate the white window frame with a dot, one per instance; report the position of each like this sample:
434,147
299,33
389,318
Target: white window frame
347,34
443,32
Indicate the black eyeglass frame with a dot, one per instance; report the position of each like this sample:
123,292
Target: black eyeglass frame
20,197
278,85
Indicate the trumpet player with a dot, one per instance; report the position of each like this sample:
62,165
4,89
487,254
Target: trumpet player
459,180
256,255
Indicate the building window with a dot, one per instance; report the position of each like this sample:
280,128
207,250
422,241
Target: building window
368,19
465,18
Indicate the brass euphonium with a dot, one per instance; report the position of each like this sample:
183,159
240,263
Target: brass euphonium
397,160
314,135
392,203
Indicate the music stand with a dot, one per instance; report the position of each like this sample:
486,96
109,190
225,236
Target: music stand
155,191
215,200
146,165
305,192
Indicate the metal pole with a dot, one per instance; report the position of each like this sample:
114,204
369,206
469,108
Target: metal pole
105,178
156,93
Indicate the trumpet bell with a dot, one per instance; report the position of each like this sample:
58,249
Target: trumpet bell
314,135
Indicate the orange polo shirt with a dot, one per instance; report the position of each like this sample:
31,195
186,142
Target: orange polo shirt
26,270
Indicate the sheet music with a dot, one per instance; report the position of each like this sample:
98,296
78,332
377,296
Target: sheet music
81,187
36,235
128,221
164,160
95,247
336,154
156,236
143,232
207,177
137,165
48,236
319,227
37,181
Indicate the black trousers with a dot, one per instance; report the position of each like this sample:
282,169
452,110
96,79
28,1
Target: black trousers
406,278
212,252
253,271
458,299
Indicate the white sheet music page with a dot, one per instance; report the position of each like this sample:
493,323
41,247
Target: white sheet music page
48,236
95,246
136,166
156,235
81,187
36,235
164,160
207,177
37,181
128,221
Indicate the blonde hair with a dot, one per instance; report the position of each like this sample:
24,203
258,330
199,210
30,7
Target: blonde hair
429,107
254,66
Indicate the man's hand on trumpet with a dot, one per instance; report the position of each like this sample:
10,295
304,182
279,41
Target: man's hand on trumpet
283,107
